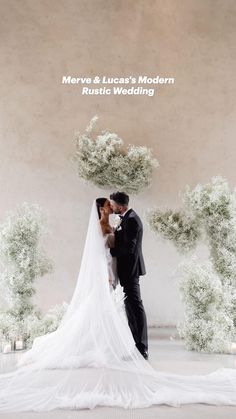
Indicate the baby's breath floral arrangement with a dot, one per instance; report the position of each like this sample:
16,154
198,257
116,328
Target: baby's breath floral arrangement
23,262
177,226
209,213
38,324
103,160
215,206
207,325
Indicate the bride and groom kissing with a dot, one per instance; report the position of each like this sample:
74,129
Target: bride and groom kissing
125,260
97,356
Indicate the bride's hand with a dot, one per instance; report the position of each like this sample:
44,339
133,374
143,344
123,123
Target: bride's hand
111,240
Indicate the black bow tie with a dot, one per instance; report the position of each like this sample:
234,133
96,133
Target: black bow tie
121,216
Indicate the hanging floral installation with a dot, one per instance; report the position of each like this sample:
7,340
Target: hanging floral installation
208,290
23,262
177,226
104,161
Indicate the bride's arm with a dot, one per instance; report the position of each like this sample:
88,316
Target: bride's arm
111,240
106,228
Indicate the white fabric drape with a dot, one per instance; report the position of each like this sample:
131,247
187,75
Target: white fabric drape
91,359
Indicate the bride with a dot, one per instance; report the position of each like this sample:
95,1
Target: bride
91,359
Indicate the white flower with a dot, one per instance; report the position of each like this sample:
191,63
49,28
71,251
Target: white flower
104,161
117,222
24,261
209,294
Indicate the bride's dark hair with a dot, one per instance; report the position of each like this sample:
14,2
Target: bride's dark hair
100,203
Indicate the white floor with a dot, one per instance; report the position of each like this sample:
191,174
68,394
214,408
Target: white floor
167,353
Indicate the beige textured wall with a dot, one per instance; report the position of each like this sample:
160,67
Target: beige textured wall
190,125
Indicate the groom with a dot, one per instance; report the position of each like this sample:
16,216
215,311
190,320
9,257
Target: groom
130,265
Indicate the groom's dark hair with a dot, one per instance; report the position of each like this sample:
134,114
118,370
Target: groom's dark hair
100,203
121,198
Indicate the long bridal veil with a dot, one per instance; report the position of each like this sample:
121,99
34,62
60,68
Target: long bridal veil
91,359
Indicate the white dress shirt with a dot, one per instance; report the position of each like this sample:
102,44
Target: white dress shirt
125,212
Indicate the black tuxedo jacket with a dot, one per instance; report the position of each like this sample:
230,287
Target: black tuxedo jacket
128,247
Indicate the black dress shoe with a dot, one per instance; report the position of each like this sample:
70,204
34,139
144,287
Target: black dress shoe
145,354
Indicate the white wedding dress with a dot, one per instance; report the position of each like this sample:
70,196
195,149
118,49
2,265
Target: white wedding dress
91,359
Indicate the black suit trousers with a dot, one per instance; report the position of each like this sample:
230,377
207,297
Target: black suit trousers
135,313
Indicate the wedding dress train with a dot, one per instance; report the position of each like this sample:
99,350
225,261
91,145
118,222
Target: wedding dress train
91,359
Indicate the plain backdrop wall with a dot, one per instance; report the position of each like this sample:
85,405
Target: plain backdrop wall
189,125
